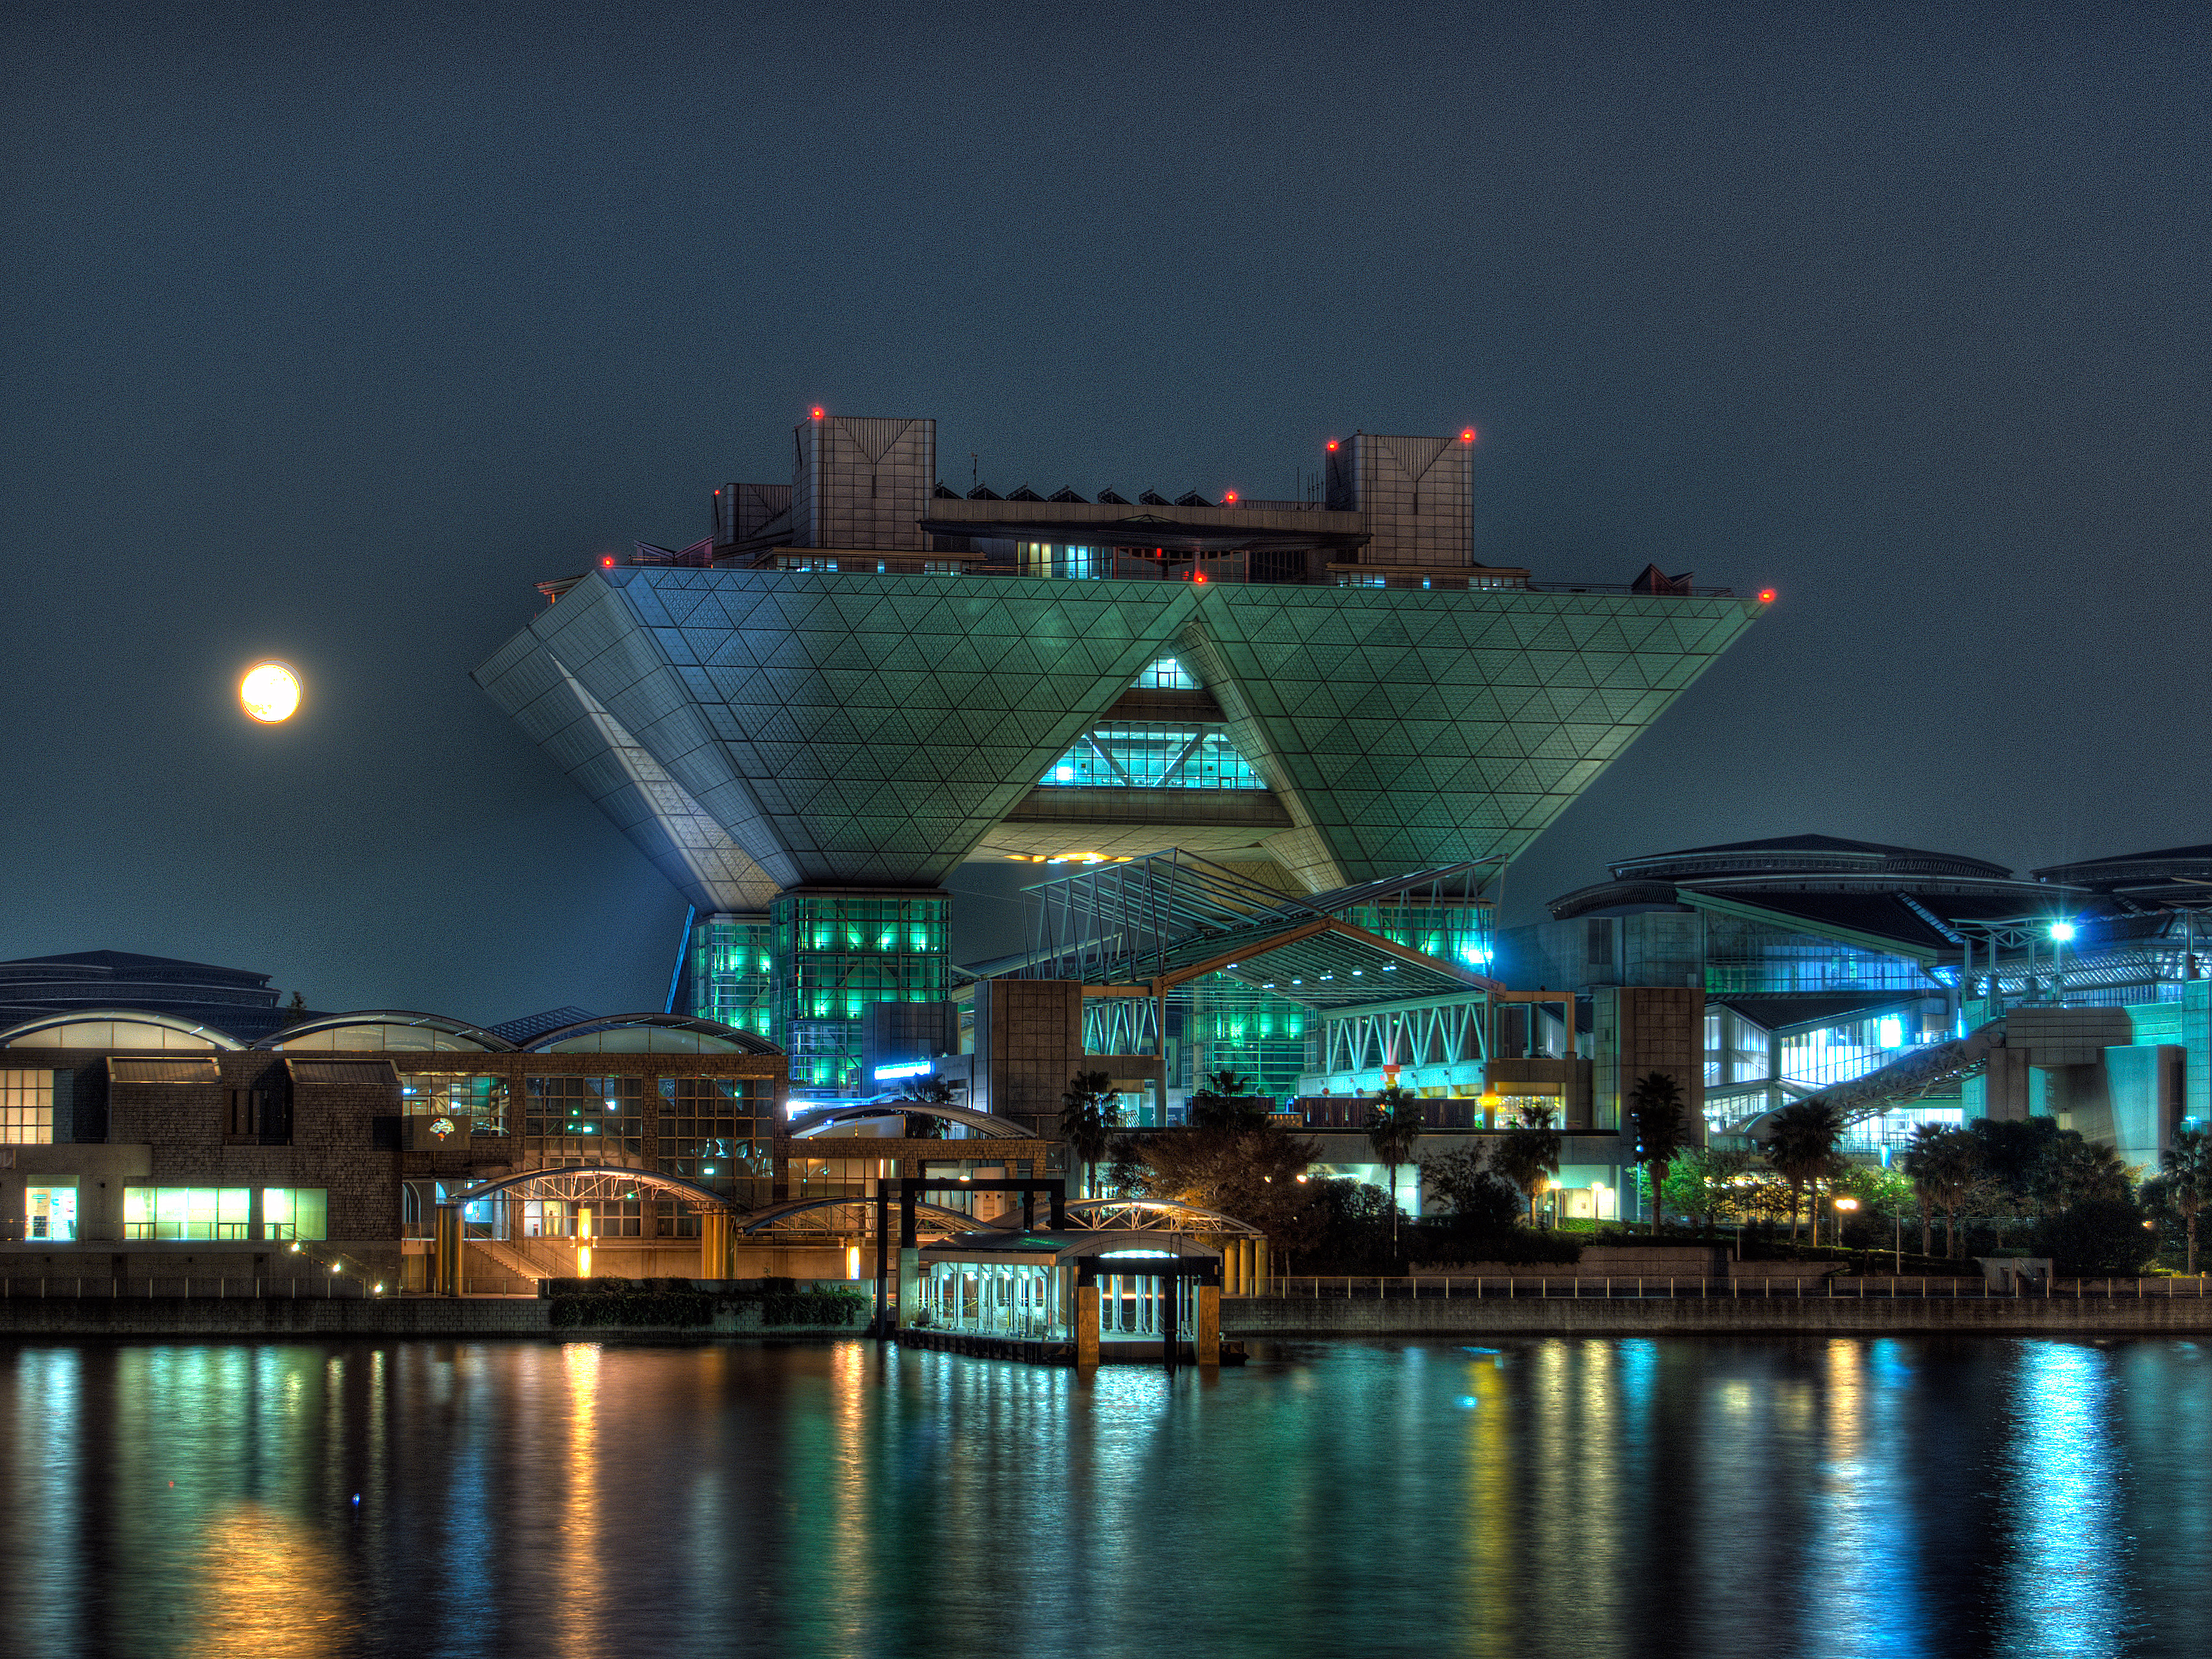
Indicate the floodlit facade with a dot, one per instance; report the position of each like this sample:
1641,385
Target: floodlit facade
1815,964
863,678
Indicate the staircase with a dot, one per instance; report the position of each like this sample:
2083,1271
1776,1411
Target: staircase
522,1262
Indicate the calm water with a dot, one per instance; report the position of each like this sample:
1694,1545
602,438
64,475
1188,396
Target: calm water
1584,1497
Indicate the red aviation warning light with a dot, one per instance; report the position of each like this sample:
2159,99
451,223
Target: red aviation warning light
815,411
1231,496
607,562
1332,445
1766,596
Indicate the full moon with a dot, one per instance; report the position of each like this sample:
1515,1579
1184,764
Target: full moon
269,692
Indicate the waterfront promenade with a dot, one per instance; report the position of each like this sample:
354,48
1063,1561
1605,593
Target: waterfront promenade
1339,1307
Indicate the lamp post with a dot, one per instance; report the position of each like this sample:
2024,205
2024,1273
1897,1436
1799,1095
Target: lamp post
2062,935
1844,1206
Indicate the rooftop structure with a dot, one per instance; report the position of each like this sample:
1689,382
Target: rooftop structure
863,678
242,1002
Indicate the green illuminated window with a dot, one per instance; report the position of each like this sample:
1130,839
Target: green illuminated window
294,1213
213,1213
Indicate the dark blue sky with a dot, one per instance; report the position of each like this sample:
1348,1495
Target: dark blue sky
329,330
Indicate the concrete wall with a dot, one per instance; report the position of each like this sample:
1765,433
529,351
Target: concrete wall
1640,1029
1749,1315
1028,1041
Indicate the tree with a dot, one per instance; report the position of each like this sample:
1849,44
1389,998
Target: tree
1482,1199
1225,1101
1709,1185
1393,1128
2095,1238
1655,1117
1945,1165
2187,1180
2073,1168
1529,1156
1800,1139
1257,1174
1089,1113
929,1091
2008,1154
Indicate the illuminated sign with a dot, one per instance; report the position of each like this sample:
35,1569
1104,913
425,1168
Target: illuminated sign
904,1068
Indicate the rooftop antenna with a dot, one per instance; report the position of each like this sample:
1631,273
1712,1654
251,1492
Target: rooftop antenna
975,470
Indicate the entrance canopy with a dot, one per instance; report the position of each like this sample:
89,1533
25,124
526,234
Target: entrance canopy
599,1184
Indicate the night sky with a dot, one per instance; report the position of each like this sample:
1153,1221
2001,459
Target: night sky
328,331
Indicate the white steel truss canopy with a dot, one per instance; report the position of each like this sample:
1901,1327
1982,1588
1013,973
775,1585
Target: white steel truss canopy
598,1183
1162,1215
847,1217
1160,921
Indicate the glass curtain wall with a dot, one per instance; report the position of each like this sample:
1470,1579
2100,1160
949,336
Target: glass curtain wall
1462,931
476,1096
1153,755
1748,957
580,1120
1231,1027
729,973
716,1132
837,952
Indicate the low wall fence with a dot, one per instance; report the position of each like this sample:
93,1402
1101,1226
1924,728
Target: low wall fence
85,1287
1766,1287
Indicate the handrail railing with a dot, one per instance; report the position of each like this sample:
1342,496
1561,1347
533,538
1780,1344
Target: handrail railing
1322,1287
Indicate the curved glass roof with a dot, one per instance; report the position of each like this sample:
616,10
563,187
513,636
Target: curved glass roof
116,1028
374,1030
651,1034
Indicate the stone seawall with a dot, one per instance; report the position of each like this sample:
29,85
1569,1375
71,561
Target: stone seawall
391,1316
1816,1316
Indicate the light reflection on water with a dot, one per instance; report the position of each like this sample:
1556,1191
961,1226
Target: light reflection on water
1580,1497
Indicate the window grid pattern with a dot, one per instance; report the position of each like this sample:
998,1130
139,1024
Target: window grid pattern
453,1094
1232,1028
716,1132
733,973
1147,755
27,1109
836,953
584,1118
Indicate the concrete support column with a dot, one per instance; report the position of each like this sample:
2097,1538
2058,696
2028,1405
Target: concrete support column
1259,1266
909,1286
1206,1338
445,1251
715,1244
1086,1325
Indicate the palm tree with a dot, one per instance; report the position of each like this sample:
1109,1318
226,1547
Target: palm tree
1090,1112
1945,1165
927,1091
1392,1128
1225,1101
1655,1114
2188,1166
1530,1156
1801,1139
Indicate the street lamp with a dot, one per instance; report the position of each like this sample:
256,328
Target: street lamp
1843,1207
